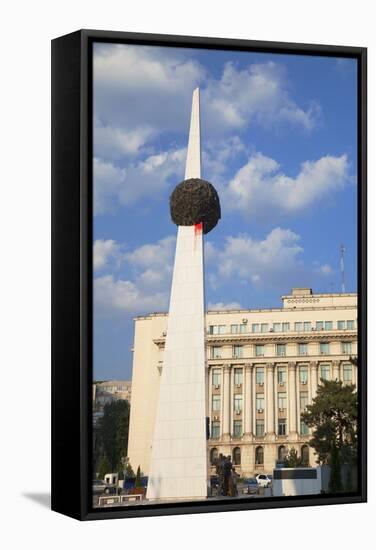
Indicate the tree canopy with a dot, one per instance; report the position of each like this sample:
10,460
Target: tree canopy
333,417
112,434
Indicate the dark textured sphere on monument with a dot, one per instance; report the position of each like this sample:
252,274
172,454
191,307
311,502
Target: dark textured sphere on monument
194,201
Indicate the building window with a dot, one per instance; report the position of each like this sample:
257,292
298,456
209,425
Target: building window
282,452
285,327
302,349
215,429
346,347
236,456
305,455
282,400
260,430
282,426
347,373
255,327
304,430
325,372
303,375
213,456
303,400
298,327
237,351
243,328
328,325
237,428
259,375
259,402
264,327
238,377
350,325
324,348
259,455
281,350
307,326
216,402
217,329
234,329
281,374
238,402
319,325
216,377
216,352
277,327
259,350
341,325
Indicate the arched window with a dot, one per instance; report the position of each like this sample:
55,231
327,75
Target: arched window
259,455
213,456
282,452
305,455
236,456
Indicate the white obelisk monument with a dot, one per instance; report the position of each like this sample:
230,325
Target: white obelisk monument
179,451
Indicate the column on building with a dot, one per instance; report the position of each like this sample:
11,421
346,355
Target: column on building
276,389
336,374
232,391
248,412
270,426
313,376
292,399
254,400
226,403
209,391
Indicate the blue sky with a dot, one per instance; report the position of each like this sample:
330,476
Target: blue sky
278,143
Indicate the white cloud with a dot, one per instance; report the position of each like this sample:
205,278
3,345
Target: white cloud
255,260
145,287
143,92
151,86
260,188
105,251
159,254
258,93
146,178
144,85
276,261
324,269
124,296
109,180
113,143
221,306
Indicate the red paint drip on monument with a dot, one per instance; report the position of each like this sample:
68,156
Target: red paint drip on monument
198,228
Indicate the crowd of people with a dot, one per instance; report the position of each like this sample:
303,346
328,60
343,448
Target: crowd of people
227,476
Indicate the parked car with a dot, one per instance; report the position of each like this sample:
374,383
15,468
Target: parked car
250,486
99,487
264,480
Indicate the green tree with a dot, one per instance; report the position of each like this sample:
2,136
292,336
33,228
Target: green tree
103,467
129,470
112,433
333,417
335,482
292,459
138,478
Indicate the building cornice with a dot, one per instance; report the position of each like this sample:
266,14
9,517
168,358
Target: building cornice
275,337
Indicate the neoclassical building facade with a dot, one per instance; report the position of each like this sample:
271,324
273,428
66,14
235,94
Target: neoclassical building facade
263,368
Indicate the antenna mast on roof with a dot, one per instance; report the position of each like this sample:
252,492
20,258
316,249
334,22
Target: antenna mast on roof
342,262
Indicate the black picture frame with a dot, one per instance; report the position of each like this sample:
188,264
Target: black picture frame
72,309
